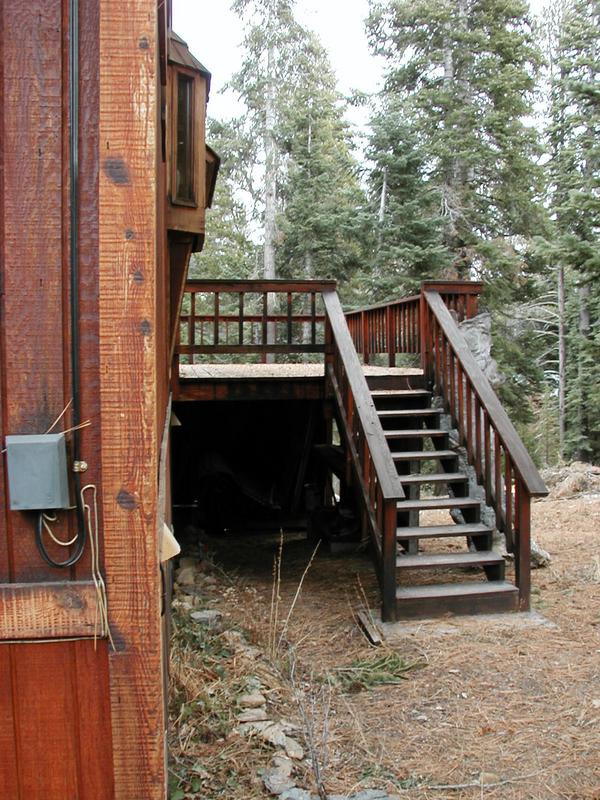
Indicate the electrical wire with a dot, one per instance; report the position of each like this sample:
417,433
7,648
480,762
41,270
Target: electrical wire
80,537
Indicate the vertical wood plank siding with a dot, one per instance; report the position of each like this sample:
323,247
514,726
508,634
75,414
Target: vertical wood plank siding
55,722
128,306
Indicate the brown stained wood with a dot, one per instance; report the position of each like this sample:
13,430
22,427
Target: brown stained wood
44,708
458,598
32,340
92,701
9,779
128,222
435,531
481,386
523,550
487,459
47,610
258,286
363,403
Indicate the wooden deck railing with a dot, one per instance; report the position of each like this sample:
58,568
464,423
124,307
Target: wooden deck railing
252,317
395,328
494,449
371,460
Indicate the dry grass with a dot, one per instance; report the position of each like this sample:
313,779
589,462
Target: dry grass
511,703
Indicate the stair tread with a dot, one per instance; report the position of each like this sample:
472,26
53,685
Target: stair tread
438,502
400,393
408,412
412,433
424,560
432,531
441,590
422,455
434,477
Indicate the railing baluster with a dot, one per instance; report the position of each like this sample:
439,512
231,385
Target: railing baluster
508,504
289,317
216,320
487,458
478,450
497,477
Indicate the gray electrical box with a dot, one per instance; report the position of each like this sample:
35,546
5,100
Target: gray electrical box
37,472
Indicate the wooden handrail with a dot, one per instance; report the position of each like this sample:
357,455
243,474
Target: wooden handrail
369,456
362,400
509,437
278,286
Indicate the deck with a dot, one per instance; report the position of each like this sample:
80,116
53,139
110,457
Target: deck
297,381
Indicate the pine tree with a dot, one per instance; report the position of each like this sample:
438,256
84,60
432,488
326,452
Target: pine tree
268,77
228,251
464,71
323,226
574,134
409,245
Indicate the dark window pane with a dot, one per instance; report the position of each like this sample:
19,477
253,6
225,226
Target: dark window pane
184,186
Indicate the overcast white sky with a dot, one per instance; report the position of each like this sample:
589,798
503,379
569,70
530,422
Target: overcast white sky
213,34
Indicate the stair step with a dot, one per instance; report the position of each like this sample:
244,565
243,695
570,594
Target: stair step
456,598
431,560
423,455
388,393
409,412
433,531
413,433
436,477
431,503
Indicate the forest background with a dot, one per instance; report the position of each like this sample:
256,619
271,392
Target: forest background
480,161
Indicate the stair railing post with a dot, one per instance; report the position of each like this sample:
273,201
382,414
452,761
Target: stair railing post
391,339
388,561
523,545
425,344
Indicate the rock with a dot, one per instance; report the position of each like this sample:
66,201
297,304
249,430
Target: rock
253,715
293,749
252,700
276,782
478,334
234,639
370,794
296,794
539,557
270,732
283,764
186,576
209,617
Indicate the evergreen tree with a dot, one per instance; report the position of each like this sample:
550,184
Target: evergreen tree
267,79
574,136
228,251
322,223
464,72
406,203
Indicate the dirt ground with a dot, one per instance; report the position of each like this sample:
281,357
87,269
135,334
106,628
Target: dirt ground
494,707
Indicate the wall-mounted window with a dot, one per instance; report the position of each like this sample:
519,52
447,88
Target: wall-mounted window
184,151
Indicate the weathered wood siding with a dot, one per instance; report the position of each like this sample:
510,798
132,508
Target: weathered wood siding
78,722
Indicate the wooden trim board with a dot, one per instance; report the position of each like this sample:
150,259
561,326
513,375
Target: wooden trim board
47,610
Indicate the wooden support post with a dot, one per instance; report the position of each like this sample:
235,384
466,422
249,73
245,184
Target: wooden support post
388,561
523,549
391,337
364,323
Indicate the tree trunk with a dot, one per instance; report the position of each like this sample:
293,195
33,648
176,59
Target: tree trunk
382,205
270,189
562,361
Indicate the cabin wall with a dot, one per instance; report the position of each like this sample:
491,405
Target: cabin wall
79,719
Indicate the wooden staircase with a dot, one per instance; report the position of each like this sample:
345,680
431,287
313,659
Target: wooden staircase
432,552
420,449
